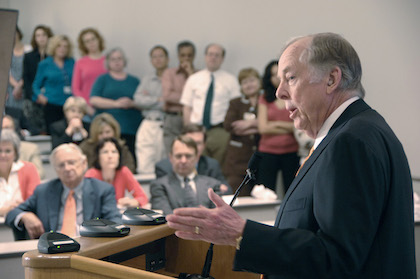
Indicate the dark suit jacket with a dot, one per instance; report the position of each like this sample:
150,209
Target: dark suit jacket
206,166
98,202
58,134
347,214
167,193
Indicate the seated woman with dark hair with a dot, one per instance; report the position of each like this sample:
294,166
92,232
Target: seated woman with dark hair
108,167
103,126
18,179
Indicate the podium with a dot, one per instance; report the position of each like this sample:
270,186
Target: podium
148,252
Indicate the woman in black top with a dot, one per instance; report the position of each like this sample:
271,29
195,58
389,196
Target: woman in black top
32,111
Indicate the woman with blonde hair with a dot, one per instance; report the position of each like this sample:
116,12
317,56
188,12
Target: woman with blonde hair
18,179
103,126
92,64
71,128
52,84
241,123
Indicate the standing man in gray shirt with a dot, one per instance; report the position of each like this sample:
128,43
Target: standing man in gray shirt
148,98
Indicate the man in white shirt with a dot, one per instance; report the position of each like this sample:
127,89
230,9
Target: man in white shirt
206,98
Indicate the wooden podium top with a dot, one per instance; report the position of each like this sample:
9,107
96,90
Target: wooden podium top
98,247
93,260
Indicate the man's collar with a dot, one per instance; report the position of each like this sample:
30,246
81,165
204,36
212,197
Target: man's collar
190,176
325,128
78,190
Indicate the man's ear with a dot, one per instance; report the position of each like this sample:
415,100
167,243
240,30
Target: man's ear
334,79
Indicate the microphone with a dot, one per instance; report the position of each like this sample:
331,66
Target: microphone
250,175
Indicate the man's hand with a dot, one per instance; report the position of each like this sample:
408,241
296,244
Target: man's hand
33,225
220,225
187,67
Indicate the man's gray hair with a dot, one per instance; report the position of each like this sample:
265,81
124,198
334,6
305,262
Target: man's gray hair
66,146
329,50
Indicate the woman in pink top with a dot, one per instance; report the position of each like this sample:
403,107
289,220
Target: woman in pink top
277,144
90,66
108,168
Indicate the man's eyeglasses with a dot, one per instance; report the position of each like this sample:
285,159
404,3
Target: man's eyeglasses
70,163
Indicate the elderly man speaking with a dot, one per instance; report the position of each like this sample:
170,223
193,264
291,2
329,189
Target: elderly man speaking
64,203
349,211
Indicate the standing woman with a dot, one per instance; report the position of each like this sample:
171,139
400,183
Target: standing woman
33,111
52,84
277,144
113,93
88,68
241,123
108,167
14,99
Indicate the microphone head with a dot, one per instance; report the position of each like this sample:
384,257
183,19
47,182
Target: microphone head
254,161
253,165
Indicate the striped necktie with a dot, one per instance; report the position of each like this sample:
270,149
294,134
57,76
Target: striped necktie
190,197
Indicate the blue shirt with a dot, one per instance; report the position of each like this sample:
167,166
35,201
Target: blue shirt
51,80
107,87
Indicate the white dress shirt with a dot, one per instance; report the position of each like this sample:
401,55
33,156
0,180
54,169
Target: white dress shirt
191,178
10,189
325,128
226,88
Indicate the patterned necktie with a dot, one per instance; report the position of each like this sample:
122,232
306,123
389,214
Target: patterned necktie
207,105
69,218
190,198
306,159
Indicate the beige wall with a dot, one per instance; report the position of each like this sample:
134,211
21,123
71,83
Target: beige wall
385,34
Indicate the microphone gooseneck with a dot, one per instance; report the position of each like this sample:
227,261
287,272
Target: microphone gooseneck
250,175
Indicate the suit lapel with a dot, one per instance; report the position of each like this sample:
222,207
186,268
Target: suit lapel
88,199
355,108
175,184
53,201
202,165
201,188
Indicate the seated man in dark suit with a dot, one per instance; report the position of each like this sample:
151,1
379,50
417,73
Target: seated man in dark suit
51,206
182,187
205,166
